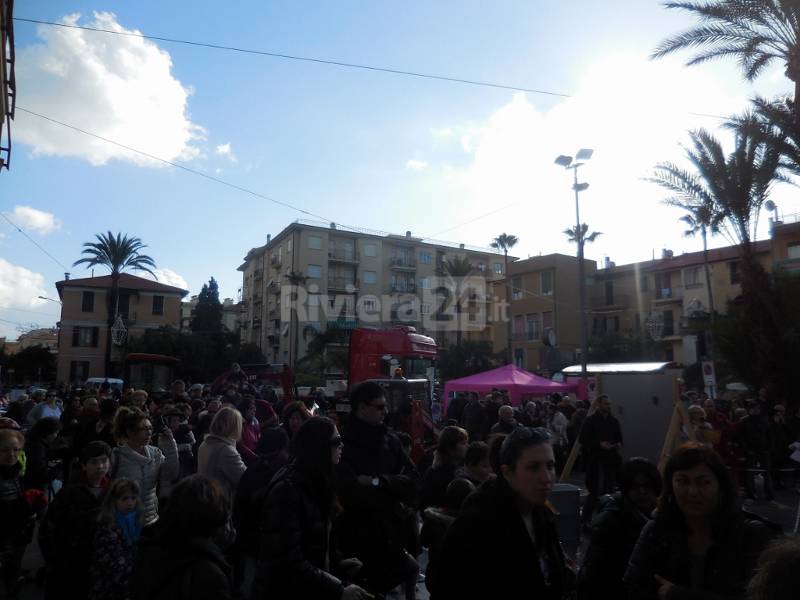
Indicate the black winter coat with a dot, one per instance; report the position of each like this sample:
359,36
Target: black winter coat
65,540
601,428
433,489
295,542
192,569
378,524
488,553
613,535
730,562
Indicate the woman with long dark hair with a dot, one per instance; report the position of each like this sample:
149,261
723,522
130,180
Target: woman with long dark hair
700,544
296,554
448,458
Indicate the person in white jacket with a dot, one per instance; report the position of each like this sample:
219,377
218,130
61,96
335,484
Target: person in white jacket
218,457
153,468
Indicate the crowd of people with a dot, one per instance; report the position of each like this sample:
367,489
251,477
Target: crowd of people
243,494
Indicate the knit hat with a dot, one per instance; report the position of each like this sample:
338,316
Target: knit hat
273,439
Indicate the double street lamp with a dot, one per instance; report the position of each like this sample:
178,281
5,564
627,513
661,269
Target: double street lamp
568,162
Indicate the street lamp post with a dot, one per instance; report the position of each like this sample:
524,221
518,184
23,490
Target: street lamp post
583,154
50,299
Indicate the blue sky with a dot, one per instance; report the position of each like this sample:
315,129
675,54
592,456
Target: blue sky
362,148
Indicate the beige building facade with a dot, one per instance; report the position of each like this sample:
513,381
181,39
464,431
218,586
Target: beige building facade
143,304
353,278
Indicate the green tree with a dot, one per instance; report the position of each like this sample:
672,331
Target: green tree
118,254
472,356
505,242
207,315
753,32
34,363
454,270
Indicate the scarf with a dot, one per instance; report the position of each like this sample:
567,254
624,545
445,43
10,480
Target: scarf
129,524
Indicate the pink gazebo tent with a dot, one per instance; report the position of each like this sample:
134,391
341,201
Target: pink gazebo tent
517,381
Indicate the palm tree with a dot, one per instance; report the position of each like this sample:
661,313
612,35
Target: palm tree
572,234
454,270
505,242
296,278
702,214
754,32
118,254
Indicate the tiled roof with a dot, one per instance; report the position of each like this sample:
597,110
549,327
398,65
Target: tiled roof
126,280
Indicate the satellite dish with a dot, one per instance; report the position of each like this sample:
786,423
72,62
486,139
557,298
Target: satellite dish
770,205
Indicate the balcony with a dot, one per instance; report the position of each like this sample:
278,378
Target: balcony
403,288
256,323
618,302
276,261
404,316
345,284
403,263
668,295
341,255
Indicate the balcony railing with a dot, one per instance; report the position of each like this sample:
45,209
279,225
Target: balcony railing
528,336
275,261
403,262
669,293
342,283
618,300
342,255
403,288
256,323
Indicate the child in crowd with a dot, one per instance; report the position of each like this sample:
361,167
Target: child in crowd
118,531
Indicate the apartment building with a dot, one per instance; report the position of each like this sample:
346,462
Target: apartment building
355,277
542,293
7,79
662,295
143,304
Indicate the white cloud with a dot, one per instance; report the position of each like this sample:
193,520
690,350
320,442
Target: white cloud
33,219
225,150
416,165
167,277
19,288
633,112
119,87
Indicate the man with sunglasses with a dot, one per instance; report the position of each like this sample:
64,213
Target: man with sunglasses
378,489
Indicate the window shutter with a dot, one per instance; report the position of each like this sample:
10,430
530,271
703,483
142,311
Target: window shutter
95,335
76,335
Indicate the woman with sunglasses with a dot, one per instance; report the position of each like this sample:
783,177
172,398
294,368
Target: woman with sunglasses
297,558
505,540
700,544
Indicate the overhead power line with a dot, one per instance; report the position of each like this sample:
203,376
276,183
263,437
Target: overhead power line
173,164
323,61
33,241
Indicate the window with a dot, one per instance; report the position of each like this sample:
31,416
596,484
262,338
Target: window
369,305
425,283
314,272
370,277
546,282
644,283
669,324
612,324
425,258
547,319
498,268
158,305
314,242
519,357
532,326
481,267
425,308
79,370
609,293
793,250
313,300
516,288
691,277
735,274
85,337
289,246
87,302
370,250
519,323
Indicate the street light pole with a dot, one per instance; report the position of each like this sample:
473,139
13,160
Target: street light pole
567,162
